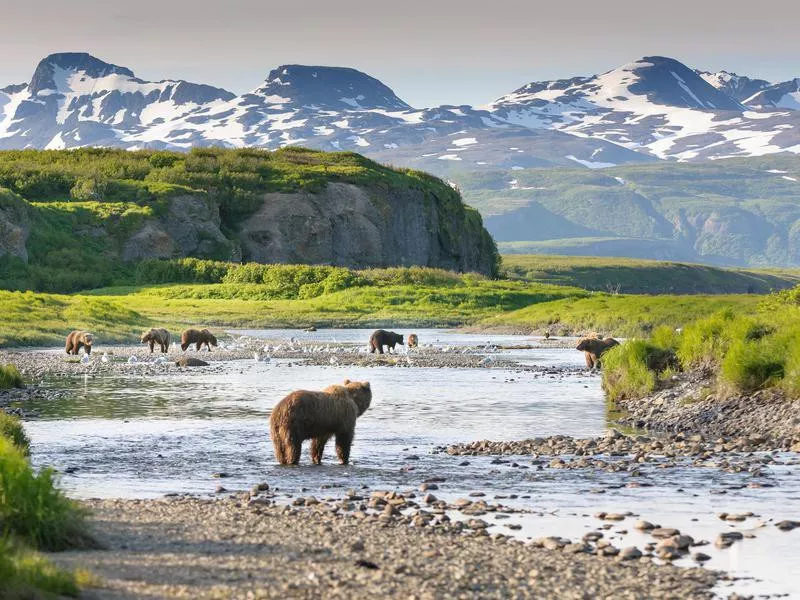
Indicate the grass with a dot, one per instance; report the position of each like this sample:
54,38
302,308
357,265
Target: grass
11,429
618,314
640,276
26,575
745,352
32,509
10,377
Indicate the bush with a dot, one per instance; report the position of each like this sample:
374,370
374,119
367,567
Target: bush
32,509
11,428
750,365
10,377
626,373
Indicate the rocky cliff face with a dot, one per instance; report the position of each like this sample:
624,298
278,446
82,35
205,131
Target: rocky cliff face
351,226
343,225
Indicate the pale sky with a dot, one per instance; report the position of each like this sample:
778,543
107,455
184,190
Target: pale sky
429,52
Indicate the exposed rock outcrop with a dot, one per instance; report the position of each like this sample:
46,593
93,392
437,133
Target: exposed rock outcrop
352,226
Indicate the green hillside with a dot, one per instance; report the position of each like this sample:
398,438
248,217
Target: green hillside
638,276
735,212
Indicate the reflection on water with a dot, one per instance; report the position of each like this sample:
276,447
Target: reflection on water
142,436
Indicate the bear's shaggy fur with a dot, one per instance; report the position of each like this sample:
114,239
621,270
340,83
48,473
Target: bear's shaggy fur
190,362
76,339
593,348
413,341
197,337
157,336
304,415
381,338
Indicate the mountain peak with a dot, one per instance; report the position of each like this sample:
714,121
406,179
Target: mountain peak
668,81
335,87
44,76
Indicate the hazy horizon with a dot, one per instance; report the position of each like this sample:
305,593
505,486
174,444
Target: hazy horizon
428,53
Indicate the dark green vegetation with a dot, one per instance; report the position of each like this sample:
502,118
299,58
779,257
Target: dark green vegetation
745,352
10,377
638,276
34,515
727,212
67,218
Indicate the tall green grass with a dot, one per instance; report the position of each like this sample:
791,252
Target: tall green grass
744,353
11,429
32,509
10,377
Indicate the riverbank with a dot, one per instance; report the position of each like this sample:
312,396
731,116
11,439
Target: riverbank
238,548
687,403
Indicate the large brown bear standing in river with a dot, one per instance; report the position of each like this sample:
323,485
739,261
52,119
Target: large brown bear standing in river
593,348
304,415
157,336
381,338
76,339
197,337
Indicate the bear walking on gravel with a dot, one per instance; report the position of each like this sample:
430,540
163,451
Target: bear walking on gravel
157,336
593,348
199,337
413,340
304,415
381,338
76,339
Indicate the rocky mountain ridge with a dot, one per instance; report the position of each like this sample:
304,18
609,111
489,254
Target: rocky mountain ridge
654,108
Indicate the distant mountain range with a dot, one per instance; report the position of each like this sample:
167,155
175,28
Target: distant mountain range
654,108
508,157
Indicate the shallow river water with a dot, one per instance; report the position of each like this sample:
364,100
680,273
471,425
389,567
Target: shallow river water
145,436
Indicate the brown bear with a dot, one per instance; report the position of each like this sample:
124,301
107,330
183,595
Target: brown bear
157,336
381,338
197,337
76,339
413,341
317,416
593,348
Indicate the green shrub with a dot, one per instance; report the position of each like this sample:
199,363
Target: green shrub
32,509
750,365
27,575
666,337
11,428
625,370
791,369
10,377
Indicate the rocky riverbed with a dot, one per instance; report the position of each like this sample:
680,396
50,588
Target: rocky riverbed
243,547
687,404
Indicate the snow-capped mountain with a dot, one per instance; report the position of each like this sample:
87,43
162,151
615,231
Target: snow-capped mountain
74,99
738,87
657,106
654,108
780,95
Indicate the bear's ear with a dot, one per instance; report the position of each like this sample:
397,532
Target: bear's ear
347,382
365,384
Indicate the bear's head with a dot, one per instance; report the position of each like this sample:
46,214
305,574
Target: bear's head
398,339
413,341
587,344
88,340
210,337
147,336
360,393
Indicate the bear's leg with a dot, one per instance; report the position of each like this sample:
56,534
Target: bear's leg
292,447
78,347
277,445
589,360
380,349
184,346
152,345
344,439
317,447
371,347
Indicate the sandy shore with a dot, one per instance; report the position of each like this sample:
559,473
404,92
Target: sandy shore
240,548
